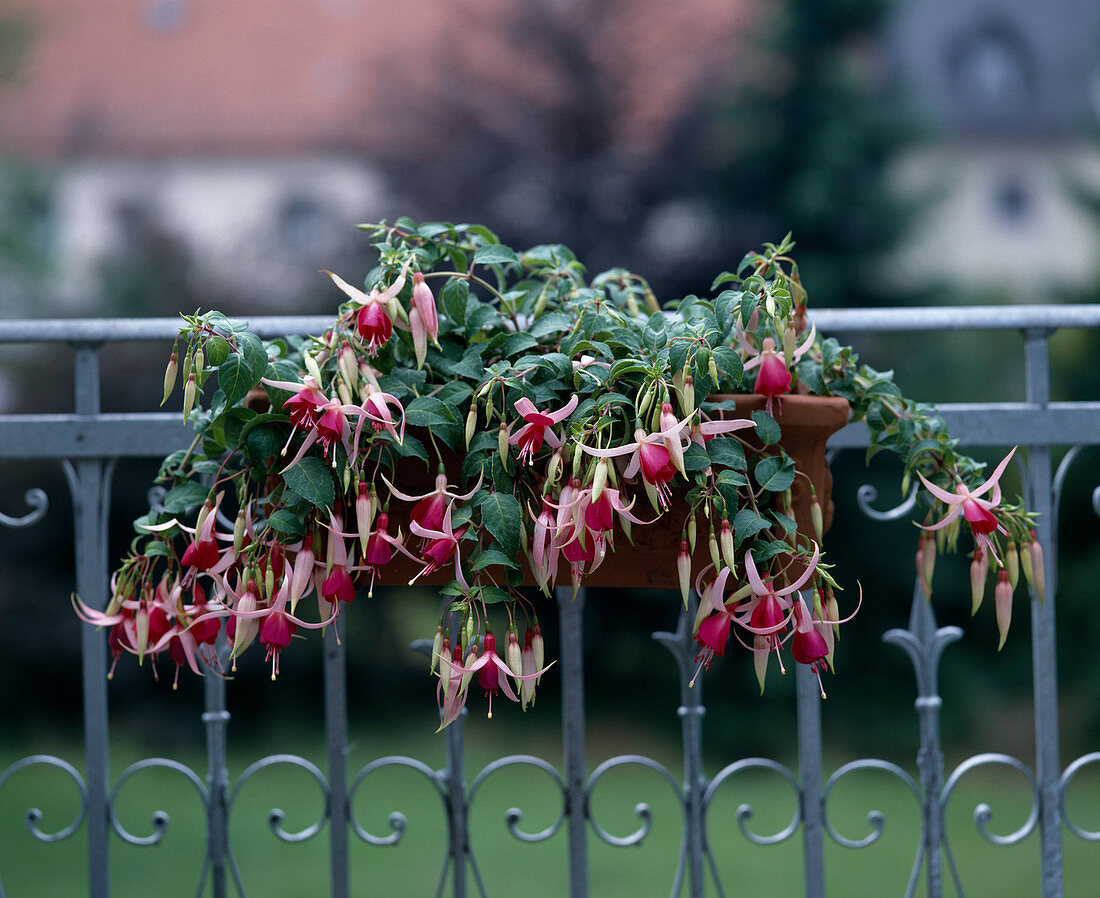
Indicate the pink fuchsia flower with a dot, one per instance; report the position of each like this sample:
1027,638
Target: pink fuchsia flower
977,511
774,377
530,437
329,416
701,432
380,549
651,457
808,646
489,666
442,544
374,320
544,548
769,610
377,408
430,508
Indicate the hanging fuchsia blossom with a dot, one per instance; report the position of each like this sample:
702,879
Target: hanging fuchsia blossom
774,377
977,511
374,320
530,437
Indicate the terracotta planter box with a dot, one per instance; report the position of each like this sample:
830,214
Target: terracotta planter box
650,562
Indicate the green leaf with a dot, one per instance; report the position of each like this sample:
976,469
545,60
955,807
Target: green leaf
491,556
518,342
729,363
747,523
287,524
500,515
254,353
185,496
453,300
767,430
551,323
235,377
428,411
774,473
494,254
491,595
695,458
728,453
788,524
311,479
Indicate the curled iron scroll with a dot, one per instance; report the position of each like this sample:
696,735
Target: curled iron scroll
1071,771
397,820
513,816
875,819
982,812
159,819
34,815
744,811
277,815
868,494
38,502
641,810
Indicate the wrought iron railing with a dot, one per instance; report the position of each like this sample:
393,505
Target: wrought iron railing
87,443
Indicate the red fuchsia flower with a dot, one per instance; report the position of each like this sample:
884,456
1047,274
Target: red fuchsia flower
329,418
489,666
277,625
769,610
377,409
374,320
774,377
380,548
305,405
808,646
544,548
713,631
651,457
977,511
442,544
431,508
530,437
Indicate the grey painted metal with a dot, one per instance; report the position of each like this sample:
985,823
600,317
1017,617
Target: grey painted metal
810,772
88,482
1043,651
336,742
87,443
570,609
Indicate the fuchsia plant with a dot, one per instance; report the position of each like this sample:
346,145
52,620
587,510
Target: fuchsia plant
557,418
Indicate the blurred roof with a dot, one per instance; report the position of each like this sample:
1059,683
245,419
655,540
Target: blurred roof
172,77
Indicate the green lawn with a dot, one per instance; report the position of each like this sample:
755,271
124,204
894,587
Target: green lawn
511,867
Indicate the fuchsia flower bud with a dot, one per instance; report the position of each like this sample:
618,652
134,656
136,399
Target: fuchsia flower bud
1002,599
423,303
979,567
1038,576
683,569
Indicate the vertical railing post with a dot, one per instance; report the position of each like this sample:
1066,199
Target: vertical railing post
216,719
570,610
808,701
88,481
336,743
691,711
1043,647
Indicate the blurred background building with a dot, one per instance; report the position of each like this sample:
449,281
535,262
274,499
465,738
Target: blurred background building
220,153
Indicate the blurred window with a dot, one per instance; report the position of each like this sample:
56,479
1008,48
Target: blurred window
165,16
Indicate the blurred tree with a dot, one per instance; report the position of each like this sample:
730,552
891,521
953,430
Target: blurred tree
805,146
559,120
